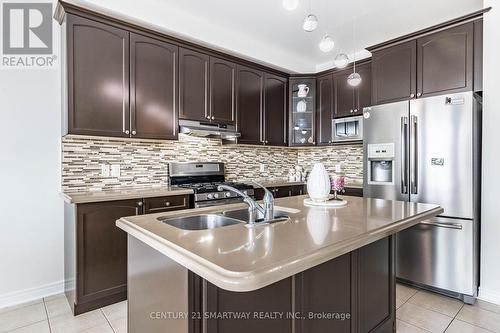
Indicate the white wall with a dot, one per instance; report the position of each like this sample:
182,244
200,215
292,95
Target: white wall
490,235
31,222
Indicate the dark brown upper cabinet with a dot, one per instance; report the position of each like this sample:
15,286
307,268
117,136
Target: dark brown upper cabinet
275,110
394,73
302,114
325,109
363,92
193,85
153,88
478,55
437,63
445,61
98,78
344,95
222,91
249,104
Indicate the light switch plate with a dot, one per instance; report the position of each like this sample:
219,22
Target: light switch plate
115,170
104,170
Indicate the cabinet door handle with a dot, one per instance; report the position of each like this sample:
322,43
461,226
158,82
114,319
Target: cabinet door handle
126,132
350,110
140,204
419,94
412,95
213,118
266,142
134,132
208,117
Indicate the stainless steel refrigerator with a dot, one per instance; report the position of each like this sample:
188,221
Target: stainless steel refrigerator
429,150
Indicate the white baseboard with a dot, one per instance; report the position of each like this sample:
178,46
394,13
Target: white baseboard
31,294
489,295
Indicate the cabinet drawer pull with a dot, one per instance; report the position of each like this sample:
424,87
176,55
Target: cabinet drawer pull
167,203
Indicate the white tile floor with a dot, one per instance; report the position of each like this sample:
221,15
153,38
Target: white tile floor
417,312
423,312
53,315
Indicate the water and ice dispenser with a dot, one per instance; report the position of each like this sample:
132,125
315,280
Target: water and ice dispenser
381,161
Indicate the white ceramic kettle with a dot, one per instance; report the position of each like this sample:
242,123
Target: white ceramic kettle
303,90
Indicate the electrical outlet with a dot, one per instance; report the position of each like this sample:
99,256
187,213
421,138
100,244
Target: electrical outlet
104,170
262,168
115,170
338,168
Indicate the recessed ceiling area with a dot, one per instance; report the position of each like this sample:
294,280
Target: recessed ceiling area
263,31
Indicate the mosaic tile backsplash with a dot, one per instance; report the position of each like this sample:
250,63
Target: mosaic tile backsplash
144,163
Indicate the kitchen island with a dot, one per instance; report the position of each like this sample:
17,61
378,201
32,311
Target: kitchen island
322,270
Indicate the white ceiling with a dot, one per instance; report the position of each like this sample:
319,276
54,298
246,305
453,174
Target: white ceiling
263,31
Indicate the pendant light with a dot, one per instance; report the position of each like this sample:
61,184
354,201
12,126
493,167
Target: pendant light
311,21
290,4
341,60
327,44
354,79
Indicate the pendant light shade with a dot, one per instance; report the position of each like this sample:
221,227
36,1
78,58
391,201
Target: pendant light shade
290,4
341,60
310,23
354,79
326,44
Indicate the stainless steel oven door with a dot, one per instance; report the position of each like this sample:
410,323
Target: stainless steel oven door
347,129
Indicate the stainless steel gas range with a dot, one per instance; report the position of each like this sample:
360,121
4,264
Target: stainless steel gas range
204,178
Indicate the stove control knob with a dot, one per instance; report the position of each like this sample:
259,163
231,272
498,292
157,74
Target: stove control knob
228,194
216,195
210,196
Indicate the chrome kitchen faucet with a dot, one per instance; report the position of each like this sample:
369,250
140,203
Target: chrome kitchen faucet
267,210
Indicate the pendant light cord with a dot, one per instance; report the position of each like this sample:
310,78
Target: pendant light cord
354,37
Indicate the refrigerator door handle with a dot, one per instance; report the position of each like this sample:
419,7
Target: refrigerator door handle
414,154
404,155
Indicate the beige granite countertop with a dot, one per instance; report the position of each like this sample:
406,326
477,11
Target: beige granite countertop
129,193
285,182
150,192
238,258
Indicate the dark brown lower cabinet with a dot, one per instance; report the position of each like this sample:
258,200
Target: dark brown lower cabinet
289,191
351,293
96,250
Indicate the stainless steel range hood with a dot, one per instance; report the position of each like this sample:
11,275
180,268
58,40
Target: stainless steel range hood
208,130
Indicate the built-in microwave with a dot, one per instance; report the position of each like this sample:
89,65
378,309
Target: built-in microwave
347,129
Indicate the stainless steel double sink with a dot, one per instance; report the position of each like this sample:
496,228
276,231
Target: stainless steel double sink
218,220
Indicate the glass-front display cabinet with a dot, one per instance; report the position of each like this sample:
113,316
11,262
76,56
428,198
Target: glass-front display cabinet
302,111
